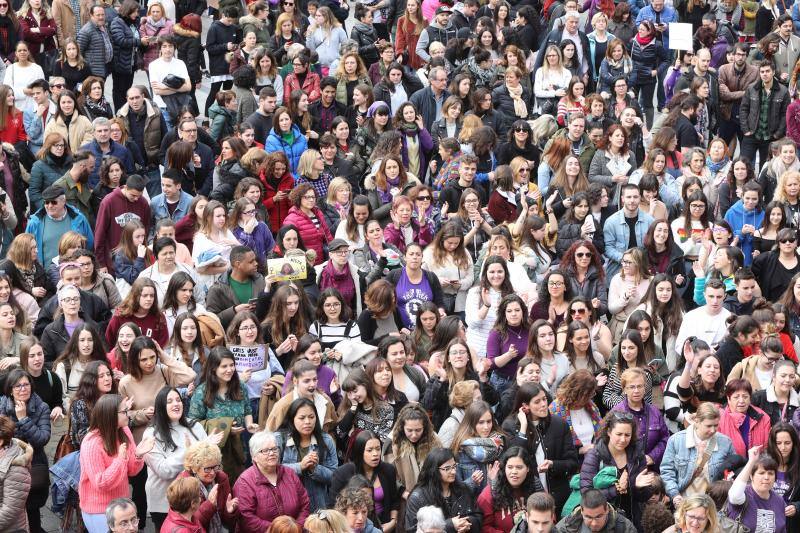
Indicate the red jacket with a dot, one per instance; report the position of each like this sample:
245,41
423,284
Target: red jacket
730,422
175,523
310,86
45,36
277,210
260,502
496,521
14,130
314,239
500,209
207,509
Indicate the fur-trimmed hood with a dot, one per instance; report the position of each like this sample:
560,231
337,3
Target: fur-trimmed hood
250,19
185,32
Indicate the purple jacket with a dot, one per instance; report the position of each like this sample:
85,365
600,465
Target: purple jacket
654,441
422,236
325,376
425,146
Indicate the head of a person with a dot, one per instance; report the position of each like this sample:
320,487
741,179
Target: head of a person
121,516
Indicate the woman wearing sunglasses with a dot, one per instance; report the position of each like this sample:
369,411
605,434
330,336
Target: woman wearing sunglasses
519,143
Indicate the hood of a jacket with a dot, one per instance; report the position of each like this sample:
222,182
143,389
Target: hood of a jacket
366,29
18,453
250,19
215,110
185,32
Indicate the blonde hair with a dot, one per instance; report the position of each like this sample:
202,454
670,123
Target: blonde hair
780,195
697,501
305,166
19,251
706,411
159,4
199,454
326,521
26,8
597,16
631,374
463,393
468,127
435,46
252,159
334,186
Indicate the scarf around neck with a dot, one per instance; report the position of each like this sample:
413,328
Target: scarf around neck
716,167
644,41
342,281
520,109
156,26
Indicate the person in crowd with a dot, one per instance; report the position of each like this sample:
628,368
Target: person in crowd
573,404
746,425
688,447
219,508
756,483
779,400
16,479
97,379
268,489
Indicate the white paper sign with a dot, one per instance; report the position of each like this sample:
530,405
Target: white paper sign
680,36
252,358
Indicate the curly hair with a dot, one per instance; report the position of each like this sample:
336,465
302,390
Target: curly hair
577,389
200,453
568,259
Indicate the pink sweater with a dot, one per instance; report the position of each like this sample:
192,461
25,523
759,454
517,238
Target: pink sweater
105,477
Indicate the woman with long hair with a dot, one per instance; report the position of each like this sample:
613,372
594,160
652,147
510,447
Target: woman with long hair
112,170
517,478
101,284
483,301
69,122
365,459
415,140
141,307
152,26
118,355
173,434
23,254
19,74
381,316
285,323
249,231
221,394
541,347
573,404
689,229
414,285
409,27
648,56
779,400
324,36
84,346
97,380
577,225
616,64
413,438
131,256
568,180
618,445
186,344
784,448
627,288
438,485
362,410
309,220
631,355
701,379
350,73
766,236
478,443
284,36
304,447
214,238
352,227
449,261
550,81
613,153
109,455
661,302
180,297
70,64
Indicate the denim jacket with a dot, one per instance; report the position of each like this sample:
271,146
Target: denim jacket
318,481
680,459
615,233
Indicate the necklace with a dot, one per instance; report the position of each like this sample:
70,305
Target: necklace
518,335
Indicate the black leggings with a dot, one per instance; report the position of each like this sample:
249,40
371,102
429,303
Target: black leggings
139,496
212,93
158,519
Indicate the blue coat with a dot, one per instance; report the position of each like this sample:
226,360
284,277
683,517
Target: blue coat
317,482
78,223
679,462
275,143
44,173
592,45
737,217
34,429
667,15
117,150
158,206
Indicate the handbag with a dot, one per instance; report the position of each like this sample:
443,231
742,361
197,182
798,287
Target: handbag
64,446
732,525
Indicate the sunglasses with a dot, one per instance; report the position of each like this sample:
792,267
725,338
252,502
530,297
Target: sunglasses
581,255
580,311
521,130
784,241
50,202
424,198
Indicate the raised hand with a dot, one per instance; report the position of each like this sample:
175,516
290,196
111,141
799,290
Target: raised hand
212,495
231,504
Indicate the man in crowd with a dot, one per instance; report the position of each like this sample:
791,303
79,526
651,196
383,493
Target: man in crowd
123,204
439,30
595,516
625,229
701,69
202,159
36,118
94,42
261,119
103,145
173,202
734,79
235,290
52,221
121,516
762,115
75,184
582,145
429,100
146,129
708,322
327,107
788,49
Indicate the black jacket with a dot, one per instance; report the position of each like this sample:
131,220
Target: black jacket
436,393
729,353
217,39
461,503
509,150
386,473
124,42
92,306
646,59
411,84
339,12
556,439
277,42
366,37
425,103
190,51
55,336
505,104
184,7
750,109
773,410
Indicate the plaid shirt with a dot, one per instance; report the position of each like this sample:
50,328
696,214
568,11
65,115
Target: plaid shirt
762,131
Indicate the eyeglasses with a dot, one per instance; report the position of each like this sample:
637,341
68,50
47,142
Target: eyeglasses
696,519
771,361
20,386
555,283
343,251
627,262
193,130
784,241
57,145
71,300
248,328
578,311
332,305
581,255
51,202
309,197
269,451
249,212
125,524
697,206
209,469
619,415
448,468
56,85
524,170
424,198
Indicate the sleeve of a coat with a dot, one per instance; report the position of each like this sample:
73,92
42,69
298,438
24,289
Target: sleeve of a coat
35,428
14,492
248,503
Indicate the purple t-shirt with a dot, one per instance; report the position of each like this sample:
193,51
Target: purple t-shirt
410,297
782,486
496,346
761,516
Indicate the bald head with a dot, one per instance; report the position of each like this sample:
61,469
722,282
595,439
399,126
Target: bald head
135,98
703,57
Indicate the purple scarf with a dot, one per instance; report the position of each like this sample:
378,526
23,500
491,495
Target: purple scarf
341,281
386,196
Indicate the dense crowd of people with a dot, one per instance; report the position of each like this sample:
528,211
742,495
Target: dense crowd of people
478,267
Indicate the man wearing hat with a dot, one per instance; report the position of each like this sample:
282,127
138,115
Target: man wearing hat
439,30
341,274
52,221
